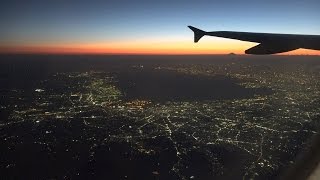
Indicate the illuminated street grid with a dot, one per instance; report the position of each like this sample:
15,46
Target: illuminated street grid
268,130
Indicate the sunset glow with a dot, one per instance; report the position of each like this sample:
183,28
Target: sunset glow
146,28
143,48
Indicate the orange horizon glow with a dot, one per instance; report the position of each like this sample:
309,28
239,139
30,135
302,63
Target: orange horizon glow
147,48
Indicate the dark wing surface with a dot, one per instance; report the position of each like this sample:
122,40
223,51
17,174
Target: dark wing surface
271,48
269,43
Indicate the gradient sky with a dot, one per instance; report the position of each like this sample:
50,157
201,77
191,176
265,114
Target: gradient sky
156,27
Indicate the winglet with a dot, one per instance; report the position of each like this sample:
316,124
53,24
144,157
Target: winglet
198,33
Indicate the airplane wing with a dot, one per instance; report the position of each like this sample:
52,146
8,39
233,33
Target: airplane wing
269,43
271,48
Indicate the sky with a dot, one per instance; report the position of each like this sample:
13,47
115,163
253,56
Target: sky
147,27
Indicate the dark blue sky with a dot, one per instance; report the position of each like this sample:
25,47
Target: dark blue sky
28,22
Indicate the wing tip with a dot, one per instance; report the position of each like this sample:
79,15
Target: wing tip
198,33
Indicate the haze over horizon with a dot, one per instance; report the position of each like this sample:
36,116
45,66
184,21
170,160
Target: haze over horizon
145,27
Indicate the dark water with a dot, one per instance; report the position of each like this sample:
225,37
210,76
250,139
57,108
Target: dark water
161,85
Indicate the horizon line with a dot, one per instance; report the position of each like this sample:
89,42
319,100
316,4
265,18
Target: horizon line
148,54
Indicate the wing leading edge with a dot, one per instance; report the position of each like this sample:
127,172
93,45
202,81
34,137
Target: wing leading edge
269,43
